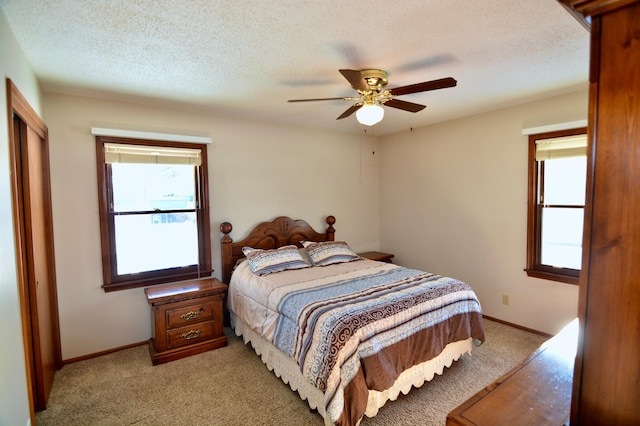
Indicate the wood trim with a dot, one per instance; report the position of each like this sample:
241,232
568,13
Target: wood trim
205,247
532,173
519,327
588,8
584,21
15,103
588,211
534,220
112,282
103,201
608,303
157,280
551,276
18,105
106,352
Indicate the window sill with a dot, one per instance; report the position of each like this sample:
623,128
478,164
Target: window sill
552,276
126,285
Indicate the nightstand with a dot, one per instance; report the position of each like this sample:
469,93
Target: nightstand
376,255
187,318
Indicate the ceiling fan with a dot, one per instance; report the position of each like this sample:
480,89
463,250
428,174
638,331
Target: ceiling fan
370,85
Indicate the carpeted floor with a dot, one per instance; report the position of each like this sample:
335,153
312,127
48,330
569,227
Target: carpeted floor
231,386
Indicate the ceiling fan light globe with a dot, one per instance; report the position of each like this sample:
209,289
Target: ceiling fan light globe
370,114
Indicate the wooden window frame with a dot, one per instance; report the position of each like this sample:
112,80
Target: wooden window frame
534,266
111,280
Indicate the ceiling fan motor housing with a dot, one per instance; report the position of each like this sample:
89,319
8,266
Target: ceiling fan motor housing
375,78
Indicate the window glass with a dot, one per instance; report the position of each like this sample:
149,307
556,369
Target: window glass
149,242
152,186
561,244
564,180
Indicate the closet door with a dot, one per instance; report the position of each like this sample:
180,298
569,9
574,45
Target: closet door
39,261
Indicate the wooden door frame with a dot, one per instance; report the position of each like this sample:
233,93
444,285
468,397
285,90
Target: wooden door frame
18,105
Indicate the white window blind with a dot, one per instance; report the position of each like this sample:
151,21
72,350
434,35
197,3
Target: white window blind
142,154
563,147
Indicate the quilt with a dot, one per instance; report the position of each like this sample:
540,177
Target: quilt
356,326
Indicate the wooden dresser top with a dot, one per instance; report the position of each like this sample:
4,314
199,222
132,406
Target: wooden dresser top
184,290
536,392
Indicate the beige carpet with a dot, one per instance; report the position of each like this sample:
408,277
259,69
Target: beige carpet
231,386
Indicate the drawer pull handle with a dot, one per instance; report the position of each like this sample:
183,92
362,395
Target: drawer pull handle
192,334
191,315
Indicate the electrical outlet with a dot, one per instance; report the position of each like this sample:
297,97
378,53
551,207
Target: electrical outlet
505,299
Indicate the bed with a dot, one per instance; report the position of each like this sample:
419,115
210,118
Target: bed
347,333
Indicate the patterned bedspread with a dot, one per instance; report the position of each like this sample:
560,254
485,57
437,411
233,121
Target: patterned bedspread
365,320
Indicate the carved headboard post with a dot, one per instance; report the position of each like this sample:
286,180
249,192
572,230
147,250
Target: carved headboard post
330,230
226,248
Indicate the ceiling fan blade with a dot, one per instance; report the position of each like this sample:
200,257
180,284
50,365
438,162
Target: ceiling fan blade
423,87
318,99
356,79
351,110
404,105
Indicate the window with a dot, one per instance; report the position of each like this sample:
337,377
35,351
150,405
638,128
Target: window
557,180
154,213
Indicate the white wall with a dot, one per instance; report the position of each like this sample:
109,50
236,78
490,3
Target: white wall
256,172
455,203
14,402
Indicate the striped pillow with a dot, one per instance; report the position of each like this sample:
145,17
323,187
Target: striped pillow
263,262
329,252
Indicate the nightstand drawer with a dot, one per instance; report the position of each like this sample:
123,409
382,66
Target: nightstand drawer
190,334
203,311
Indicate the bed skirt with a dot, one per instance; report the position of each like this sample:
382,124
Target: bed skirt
288,371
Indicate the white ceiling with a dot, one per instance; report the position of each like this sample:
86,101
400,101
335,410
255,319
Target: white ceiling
246,58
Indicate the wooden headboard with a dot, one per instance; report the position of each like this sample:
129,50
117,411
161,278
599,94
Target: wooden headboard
280,232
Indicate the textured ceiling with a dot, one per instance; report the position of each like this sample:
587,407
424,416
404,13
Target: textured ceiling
247,58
